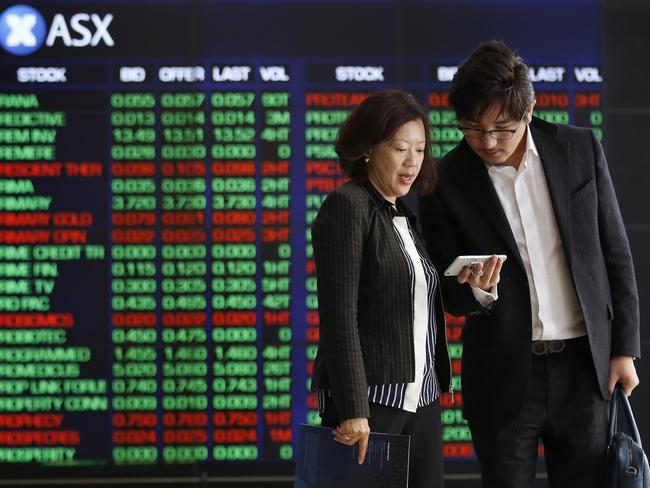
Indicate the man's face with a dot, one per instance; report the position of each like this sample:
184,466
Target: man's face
497,151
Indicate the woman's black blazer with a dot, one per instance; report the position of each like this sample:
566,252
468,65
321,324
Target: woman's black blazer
364,300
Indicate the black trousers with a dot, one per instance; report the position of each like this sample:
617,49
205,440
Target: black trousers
424,427
562,407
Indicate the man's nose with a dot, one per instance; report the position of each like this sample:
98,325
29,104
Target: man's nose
487,140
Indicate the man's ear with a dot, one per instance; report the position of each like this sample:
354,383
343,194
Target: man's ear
529,113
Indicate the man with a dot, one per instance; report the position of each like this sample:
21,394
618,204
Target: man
550,331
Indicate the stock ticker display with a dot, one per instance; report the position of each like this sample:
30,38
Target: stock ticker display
160,166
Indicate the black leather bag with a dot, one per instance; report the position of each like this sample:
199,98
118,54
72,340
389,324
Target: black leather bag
627,464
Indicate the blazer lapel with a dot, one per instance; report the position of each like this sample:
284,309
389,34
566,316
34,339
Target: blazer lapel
474,179
555,156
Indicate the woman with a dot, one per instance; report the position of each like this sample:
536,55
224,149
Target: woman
382,357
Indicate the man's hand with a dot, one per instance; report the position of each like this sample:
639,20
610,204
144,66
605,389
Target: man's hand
482,276
352,431
622,370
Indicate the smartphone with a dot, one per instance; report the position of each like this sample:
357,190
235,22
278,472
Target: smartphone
460,262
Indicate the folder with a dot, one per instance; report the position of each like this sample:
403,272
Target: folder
322,462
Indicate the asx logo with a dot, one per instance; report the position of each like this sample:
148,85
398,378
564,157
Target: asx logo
23,30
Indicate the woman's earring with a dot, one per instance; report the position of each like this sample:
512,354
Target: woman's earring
367,159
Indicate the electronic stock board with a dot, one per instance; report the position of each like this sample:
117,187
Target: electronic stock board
160,166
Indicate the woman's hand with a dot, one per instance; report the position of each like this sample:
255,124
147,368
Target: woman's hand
352,431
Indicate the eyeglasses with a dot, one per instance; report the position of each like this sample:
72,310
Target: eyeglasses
497,134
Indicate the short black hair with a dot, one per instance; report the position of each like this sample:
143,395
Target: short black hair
493,74
377,119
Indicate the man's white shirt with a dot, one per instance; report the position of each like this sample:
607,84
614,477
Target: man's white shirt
524,196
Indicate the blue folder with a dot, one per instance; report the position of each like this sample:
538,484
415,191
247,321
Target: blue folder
323,463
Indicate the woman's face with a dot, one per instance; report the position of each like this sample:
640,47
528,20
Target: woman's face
394,164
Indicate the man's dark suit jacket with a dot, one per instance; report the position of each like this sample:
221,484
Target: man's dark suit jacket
464,216
364,300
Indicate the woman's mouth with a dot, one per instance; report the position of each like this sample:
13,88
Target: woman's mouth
407,179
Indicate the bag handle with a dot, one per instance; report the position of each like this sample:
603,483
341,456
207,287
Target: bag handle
619,396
